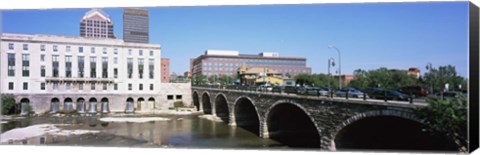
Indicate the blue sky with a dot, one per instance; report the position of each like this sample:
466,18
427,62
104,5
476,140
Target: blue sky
369,36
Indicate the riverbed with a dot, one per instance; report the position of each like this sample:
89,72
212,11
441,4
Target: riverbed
163,131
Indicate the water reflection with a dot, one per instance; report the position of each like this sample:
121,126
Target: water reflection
179,131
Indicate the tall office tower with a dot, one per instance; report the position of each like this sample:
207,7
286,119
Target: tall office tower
135,25
96,24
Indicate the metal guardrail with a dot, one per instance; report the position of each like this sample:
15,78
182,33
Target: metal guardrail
273,91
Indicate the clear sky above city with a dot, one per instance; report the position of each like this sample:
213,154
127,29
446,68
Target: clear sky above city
369,36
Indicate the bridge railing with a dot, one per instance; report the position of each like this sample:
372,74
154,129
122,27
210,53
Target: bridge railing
281,91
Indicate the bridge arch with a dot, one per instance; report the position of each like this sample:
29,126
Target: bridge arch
196,101
221,107
207,106
246,114
386,129
291,124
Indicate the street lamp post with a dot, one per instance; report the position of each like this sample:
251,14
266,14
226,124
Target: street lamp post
331,62
339,66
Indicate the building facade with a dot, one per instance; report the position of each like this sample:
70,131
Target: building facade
259,75
55,73
135,25
96,24
165,70
215,62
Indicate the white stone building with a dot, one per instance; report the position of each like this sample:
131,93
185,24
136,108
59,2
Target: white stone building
60,73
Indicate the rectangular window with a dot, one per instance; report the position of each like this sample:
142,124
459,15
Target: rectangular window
129,51
140,87
25,47
10,86
42,71
151,53
178,97
115,51
104,86
92,86
129,86
93,67
115,60
115,73
151,68
55,48
115,86
169,97
104,67
55,65
104,50
42,57
80,49
11,64
68,85
10,46
25,65
81,63
151,86
55,85
140,52
130,67
92,50
68,66
42,48
67,49
80,86
140,68
42,86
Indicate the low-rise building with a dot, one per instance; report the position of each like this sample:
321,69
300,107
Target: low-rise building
257,75
54,73
220,62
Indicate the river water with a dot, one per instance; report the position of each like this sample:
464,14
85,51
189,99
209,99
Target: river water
184,131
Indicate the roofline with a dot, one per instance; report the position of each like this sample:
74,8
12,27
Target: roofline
29,38
252,57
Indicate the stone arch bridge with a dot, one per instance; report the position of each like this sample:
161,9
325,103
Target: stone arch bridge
319,122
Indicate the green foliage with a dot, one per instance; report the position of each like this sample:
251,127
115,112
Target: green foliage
437,78
8,104
317,80
225,80
383,78
447,117
199,80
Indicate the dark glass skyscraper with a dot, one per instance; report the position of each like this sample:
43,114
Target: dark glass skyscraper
135,25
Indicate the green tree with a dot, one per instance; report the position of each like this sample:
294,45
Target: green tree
447,117
8,104
199,80
437,78
382,78
318,80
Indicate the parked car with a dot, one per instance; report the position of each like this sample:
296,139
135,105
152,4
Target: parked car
302,90
323,91
449,95
278,89
370,91
290,89
389,95
264,88
313,91
352,92
414,90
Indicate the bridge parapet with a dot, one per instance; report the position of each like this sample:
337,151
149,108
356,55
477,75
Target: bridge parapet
328,116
